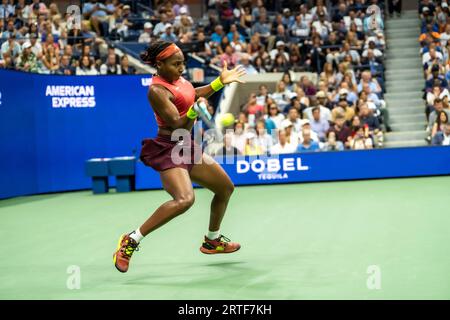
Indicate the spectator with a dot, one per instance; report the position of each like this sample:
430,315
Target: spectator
347,52
306,125
307,145
432,56
184,21
27,61
11,46
360,142
279,50
239,138
445,36
262,27
280,64
318,124
160,27
65,68
287,79
366,78
111,66
328,75
50,60
436,76
291,133
373,124
251,147
282,146
377,54
125,66
263,95
300,28
86,67
325,113
293,118
146,35
252,107
343,108
229,56
275,115
245,62
263,140
442,138
6,10
98,13
246,19
282,95
233,31
436,93
168,34
118,25
333,48
305,14
322,26
341,131
281,34
440,123
307,86
331,143
228,149
180,8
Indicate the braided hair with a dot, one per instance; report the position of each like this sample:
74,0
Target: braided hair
149,55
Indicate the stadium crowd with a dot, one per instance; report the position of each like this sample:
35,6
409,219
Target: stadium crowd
342,41
36,37
435,51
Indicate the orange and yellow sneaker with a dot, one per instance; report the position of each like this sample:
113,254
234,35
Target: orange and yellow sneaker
220,245
125,249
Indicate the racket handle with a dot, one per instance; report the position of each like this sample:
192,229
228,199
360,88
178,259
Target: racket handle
200,108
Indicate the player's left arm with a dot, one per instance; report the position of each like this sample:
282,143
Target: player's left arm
226,77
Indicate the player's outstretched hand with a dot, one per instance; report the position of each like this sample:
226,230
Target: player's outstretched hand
233,75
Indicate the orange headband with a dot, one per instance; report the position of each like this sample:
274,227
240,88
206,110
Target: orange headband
168,52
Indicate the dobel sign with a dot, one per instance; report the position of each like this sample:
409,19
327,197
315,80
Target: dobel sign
270,165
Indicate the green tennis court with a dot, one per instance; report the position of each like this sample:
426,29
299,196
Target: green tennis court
299,241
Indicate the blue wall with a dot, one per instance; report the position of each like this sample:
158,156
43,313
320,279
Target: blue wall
325,166
43,146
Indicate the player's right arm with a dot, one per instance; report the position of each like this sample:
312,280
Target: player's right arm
161,101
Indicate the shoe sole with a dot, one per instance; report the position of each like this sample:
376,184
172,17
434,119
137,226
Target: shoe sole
115,254
206,251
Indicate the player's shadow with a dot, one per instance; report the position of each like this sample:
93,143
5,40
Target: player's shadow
217,274
227,264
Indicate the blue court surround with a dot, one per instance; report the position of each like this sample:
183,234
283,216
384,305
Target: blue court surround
44,146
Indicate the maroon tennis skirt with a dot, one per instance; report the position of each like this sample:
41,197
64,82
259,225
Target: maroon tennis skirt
159,153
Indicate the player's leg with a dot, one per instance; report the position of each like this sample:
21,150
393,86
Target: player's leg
177,183
211,175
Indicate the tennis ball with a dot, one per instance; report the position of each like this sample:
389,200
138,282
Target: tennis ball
227,119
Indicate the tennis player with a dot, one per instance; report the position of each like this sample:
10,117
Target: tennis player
173,100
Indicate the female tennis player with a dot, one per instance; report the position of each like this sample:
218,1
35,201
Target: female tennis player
173,100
